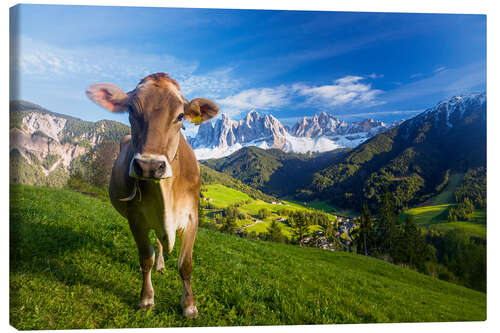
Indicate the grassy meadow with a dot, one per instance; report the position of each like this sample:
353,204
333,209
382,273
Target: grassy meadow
222,196
434,213
73,264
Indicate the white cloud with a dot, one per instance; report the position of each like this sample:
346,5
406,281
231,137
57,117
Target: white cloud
346,91
343,91
50,65
213,84
439,69
42,60
446,83
416,75
375,76
382,113
257,98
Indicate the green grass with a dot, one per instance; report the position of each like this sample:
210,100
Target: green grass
426,215
74,265
224,196
446,195
255,205
322,205
436,217
435,214
471,228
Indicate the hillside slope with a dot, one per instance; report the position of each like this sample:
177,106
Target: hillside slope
74,265
210,176
274,171
413,158
45,147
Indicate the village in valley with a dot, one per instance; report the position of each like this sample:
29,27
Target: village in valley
337,234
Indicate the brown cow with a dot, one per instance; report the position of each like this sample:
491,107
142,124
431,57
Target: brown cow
155,182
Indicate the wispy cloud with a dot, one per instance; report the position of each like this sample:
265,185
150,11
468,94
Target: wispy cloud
448,82
381,114
214,84
343,91
43,60
53,64
375,76
259,98
413,76
439,69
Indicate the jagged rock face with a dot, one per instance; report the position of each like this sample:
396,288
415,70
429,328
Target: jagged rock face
319,133
40,146
329,125
253,128
50,125
48,142
40,137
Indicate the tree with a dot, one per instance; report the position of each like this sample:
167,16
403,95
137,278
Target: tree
463,211
274,232
263,213
387,227
201,213
365,228
300,228
228,225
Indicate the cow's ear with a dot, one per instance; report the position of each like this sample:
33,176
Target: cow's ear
200,110
109,96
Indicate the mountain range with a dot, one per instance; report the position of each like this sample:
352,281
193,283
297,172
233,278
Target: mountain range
411,159
320,133
45,146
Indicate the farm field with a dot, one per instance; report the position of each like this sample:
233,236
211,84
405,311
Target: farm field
74,265
324,206
436,217
446,196
222,196
435,213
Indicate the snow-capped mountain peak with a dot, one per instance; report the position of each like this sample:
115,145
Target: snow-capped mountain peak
321,132
455,108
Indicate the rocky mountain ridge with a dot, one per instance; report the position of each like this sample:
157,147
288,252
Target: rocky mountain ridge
411,159
43,142
320,133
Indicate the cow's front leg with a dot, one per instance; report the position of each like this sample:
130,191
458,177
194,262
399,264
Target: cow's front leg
160,262
187,236
146,260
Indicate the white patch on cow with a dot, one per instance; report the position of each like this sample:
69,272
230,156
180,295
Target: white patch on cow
183,218
176,92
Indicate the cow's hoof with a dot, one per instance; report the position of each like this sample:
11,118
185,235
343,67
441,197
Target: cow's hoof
146,305
161,269
190,312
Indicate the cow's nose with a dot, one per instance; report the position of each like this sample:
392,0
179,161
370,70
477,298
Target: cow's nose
160,169
137,165
149,168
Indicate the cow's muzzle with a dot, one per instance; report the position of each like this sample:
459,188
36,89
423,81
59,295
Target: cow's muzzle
150,167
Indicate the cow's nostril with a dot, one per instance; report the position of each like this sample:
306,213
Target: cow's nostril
137,167
162,166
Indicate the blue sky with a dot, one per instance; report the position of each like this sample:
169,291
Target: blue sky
288,63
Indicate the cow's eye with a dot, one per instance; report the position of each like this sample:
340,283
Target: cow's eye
180,117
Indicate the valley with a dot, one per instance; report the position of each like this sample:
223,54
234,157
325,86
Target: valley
217,197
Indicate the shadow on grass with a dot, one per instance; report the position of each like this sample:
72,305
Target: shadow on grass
51,250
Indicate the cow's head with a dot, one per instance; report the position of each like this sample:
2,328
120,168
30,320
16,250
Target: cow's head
156,110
